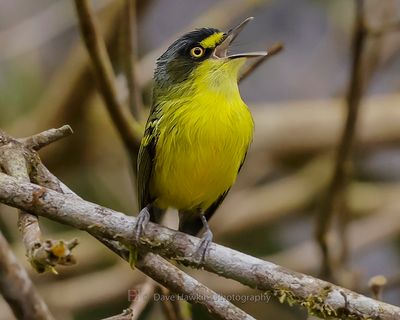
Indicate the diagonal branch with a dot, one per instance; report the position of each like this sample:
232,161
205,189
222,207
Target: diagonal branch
154,266
145,293
129,129
189,288
125,315
276,48
40,140
178,281
319,297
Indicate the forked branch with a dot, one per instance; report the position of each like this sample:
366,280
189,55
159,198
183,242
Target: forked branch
319,297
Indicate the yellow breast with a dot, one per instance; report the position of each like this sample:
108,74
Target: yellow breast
201,145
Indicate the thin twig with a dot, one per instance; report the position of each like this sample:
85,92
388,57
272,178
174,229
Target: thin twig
17,289
276,48
174,308
168,309
129,129
318,296
334,201
125,315
40,140
145,294
130,56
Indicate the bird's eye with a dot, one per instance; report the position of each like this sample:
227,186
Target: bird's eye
197,52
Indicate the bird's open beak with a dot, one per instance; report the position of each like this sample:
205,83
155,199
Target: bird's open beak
221,51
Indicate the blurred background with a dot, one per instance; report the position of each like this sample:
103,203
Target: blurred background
298,101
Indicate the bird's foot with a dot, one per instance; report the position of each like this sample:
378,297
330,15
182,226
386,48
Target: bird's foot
141,223
201,251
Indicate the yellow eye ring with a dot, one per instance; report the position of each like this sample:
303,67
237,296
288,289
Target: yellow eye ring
197,52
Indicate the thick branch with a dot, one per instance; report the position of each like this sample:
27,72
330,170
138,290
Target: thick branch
17,289
319,297
152,265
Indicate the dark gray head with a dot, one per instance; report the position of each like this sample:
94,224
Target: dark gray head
189,51
182,56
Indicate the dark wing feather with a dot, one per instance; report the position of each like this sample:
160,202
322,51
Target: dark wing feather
146,158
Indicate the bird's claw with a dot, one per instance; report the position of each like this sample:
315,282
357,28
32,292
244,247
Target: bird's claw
141,223
200,253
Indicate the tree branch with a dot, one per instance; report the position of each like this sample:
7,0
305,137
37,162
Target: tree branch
125,315
172,308
276,48
335,197
145,293
18,160
178,281
130,56
40,140
129,129
319,297
156,267
17,289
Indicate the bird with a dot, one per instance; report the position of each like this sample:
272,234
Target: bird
197,134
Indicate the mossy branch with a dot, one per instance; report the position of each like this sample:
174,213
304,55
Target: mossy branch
319,297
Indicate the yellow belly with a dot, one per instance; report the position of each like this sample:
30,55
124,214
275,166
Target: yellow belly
199,151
